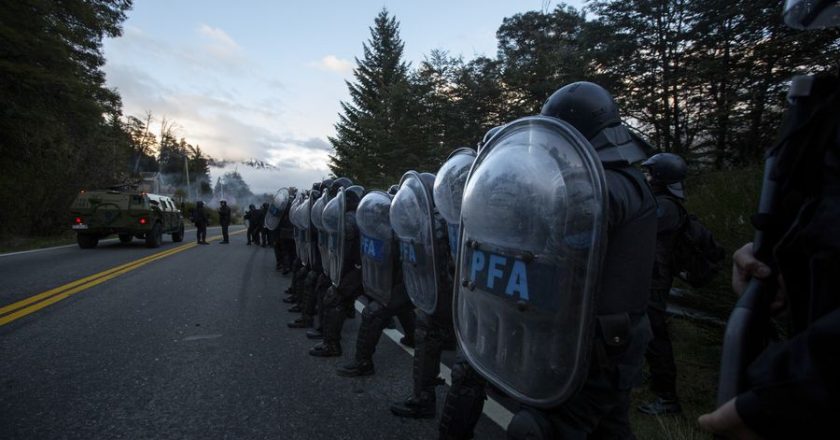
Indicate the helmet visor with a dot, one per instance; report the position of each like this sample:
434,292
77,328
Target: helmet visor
812,14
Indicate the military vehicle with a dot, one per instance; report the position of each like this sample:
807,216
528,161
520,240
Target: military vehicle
129,214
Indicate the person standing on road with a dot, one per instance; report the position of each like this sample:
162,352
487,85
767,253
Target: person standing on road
224,220
200,219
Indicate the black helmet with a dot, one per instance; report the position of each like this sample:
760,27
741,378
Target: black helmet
251,207
592,110
392,190
667,170
325,184
489,135
341,182
428,180
316,186
199,204
812,14
352,196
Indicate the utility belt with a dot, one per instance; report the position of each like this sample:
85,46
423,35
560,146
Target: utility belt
615,330
618,350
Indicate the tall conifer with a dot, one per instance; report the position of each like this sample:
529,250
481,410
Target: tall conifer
375,137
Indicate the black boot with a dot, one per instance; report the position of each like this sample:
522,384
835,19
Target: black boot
407,340
314,333
326,349
302,322
420,407
464,402
356,368
291,299
374,317
295,308
425,372
661,406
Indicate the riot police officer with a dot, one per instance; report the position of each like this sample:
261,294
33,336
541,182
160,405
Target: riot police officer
382,280
276,216
539,287
224,221
299,213
424,252
316,281
251,219
665,173
343,264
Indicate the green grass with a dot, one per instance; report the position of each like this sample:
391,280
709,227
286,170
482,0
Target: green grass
724,201
18,243
697,353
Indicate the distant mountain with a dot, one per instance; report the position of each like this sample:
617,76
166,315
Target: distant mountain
252,163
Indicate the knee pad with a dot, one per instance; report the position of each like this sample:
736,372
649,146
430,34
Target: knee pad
373,309
530,424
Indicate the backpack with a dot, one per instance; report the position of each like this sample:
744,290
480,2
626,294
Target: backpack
697,257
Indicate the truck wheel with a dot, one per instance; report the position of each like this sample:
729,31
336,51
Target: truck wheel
125,238
178,237
87,241
154,237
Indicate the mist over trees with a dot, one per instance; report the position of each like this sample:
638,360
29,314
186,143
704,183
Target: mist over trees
706,80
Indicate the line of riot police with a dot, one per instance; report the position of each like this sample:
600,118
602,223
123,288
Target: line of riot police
534,253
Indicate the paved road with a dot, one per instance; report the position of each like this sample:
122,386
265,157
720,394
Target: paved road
189,343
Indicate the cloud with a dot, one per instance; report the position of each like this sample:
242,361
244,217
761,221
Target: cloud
334,64
221,45
312,143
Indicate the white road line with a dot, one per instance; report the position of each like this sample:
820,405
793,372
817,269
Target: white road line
74,245
492,409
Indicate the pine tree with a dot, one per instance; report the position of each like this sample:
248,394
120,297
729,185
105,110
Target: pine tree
377,134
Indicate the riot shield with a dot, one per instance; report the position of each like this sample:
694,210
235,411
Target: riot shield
310,233
293,218
300,218
276,209
533,233
305,225
377,245
412,218
449,191
316,215
333,220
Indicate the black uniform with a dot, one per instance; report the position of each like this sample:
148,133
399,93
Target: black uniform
199,218
338,300
251,217
284,243
660,354
600,409
794,386
433,334
375,317
224,221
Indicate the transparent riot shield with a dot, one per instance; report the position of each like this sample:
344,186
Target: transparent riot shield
412,218
533,222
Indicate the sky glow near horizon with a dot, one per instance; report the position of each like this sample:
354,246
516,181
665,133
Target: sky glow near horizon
265,80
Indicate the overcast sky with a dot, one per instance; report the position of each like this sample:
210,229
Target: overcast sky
264,79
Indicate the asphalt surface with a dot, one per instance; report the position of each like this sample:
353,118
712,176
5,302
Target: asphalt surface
192,345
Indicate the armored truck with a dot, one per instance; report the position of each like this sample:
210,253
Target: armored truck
97,214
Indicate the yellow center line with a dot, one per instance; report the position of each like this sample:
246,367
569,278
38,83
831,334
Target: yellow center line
52,296
57,290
